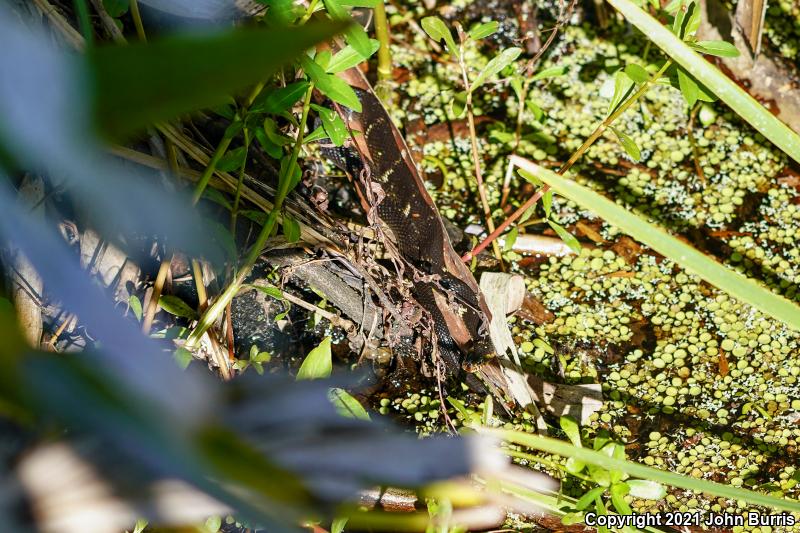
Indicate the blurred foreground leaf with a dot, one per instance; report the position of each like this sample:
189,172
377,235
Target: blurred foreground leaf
139,84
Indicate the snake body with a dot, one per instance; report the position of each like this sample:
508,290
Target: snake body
392,190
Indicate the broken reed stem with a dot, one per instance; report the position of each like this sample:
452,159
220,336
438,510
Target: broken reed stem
601,128
476,158
284,181
158,286
202,295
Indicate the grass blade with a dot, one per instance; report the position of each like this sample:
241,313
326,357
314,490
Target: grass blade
722,86
659,240
602,460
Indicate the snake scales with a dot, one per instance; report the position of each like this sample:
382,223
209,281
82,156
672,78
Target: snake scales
394,196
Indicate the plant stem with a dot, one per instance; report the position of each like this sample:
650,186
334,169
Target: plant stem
284,181
239,183
601,128
476,157
202,295
200,187
137,20
158,286
310,11
222,147
384,53
82,11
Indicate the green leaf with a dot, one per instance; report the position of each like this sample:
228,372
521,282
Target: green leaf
269,290
282,99
261,357
337,526
618,492
315,135
716,48
291,229
570,519
628,144
334,88
684,255
355,34
232,160
534,108
273,133
323,58
495,65
688,88
458,105
677,22
346,405
182,357
637,73
550,72
574,466
510,239
333,124
566,236
347,57
318,363
136,307
570,427
530,178
587,499
116,8
233,129
622,86
692,20
138,84
547,203
259,217
217,197
481,31
646,489
175,306
438,30
224,238
714,80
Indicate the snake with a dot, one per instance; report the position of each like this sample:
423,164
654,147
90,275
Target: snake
392,192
